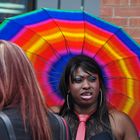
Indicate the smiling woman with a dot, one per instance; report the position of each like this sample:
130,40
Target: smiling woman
84,89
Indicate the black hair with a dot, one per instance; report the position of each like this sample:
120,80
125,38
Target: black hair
87,64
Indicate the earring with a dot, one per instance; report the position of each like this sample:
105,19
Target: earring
67,101
101,97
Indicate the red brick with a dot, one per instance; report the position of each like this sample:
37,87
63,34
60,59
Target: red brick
137,40
134,22
118,21
124,12
134,32
106,11
114,2
135,2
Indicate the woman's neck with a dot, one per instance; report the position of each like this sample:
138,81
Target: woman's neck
85,110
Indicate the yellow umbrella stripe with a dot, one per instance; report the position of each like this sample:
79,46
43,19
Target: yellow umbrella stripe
130,91
93,39
123,66
53,36
128,106
37,42
70,35
35,45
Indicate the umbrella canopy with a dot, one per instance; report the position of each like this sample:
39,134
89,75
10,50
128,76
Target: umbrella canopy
51,37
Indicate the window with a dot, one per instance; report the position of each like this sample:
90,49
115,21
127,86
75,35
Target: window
91,6
10,8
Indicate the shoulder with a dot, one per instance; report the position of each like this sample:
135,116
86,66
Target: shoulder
15,118
59,126
7,123
56,121
3,131
119,118
122,125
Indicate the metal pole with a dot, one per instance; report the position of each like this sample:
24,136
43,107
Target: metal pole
59,4
82,5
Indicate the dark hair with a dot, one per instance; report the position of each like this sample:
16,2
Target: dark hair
88,65
19,88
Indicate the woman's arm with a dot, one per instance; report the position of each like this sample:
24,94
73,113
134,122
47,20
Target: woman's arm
122,126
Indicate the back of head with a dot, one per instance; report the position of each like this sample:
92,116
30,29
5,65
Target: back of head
16,73
19,88
13,72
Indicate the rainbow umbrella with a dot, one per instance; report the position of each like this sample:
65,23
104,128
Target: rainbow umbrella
51,37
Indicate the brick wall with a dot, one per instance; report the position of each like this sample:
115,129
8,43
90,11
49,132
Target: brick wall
125,13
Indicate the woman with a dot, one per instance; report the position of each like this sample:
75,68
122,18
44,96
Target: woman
84,90
21,98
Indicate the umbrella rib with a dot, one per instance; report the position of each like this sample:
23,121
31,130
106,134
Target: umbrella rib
121,77
124,58
41,37
115,92
106,42
84,32
40,57
66,43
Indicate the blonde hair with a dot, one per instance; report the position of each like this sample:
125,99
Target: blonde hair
19,88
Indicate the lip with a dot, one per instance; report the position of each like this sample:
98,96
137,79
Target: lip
86,95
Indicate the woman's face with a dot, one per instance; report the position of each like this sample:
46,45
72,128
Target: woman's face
84,89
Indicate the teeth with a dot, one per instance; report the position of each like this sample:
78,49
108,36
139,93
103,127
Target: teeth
86,95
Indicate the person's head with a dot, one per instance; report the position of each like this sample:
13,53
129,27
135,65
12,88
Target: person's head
19,88
82,84
17,76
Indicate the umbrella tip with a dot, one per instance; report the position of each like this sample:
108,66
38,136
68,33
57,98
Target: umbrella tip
82,8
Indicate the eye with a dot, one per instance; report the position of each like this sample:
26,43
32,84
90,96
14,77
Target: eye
78,79
92,78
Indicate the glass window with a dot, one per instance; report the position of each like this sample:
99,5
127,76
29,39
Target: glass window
10,8
91,6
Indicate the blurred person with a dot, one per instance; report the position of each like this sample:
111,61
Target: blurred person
21,98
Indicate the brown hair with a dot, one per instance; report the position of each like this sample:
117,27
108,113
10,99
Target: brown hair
19,87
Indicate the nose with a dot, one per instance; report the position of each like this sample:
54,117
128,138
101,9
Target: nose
86,84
